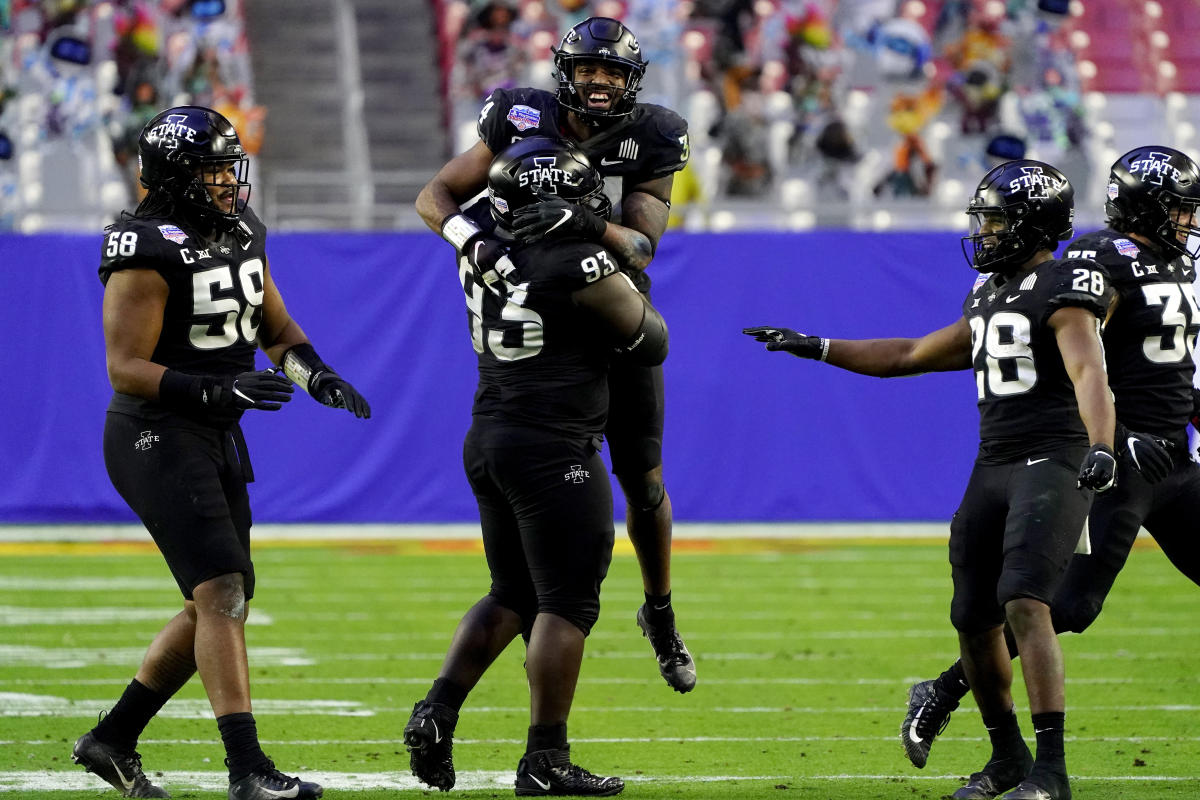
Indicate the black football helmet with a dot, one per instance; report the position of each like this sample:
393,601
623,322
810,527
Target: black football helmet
181,152
535,167
1020,207
1155,192
598,39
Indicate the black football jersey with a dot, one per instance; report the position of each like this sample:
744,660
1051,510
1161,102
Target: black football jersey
540,364
214,306
1026,399
1149,339
652,141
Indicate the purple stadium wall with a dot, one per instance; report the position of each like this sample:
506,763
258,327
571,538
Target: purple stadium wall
751,435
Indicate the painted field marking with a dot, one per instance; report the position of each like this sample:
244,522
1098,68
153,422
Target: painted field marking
61,780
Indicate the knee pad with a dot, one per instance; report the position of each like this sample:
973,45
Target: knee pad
580,612
1075,617
524,606
646,496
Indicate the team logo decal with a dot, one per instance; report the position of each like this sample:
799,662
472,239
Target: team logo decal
524,117
172,233
145,440
545,176
576,474
1113,191
1034,183
1152,168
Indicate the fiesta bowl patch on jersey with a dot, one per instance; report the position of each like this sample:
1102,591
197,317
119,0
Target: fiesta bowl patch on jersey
1126,248
524,117
172,233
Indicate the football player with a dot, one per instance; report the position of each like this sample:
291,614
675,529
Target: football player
545,324
1152,210
188,299
599,67
1030,331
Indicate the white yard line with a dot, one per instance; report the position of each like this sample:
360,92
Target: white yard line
61,780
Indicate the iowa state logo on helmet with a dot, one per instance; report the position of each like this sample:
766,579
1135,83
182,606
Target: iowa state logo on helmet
545,176
1153,167
1035,183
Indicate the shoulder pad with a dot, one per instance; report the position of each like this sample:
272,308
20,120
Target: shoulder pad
141,243
513,113
1079,282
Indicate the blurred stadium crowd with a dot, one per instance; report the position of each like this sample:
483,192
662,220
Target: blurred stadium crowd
868,108
839,113
81,78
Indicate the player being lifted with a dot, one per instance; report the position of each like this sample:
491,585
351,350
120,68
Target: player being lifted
545,325
1030,332
188,300
600,67
1152,210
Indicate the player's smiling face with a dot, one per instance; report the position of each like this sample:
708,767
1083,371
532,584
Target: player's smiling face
221,181
1184,217
984,223
599,83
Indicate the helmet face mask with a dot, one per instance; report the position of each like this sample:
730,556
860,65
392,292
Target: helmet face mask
1019,208
537,167
604,43
191,154
1154,192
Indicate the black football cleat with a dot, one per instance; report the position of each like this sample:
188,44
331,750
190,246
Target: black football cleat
429,736
1032,789
550,772
997,777
119,768
674,661
268,783
927,716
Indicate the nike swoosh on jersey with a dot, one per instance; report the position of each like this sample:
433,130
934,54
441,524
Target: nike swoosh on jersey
1011,297
1029,462
604,162
566,215
128,784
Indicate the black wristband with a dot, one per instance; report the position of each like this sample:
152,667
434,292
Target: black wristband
183,392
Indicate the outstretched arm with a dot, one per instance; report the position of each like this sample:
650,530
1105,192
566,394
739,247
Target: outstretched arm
943,350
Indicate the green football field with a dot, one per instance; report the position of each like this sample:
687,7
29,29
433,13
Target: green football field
804,651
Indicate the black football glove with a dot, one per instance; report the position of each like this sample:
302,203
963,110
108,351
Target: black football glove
488,258
331,389
553,217
1150,455
1099,470
265,390
789,341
